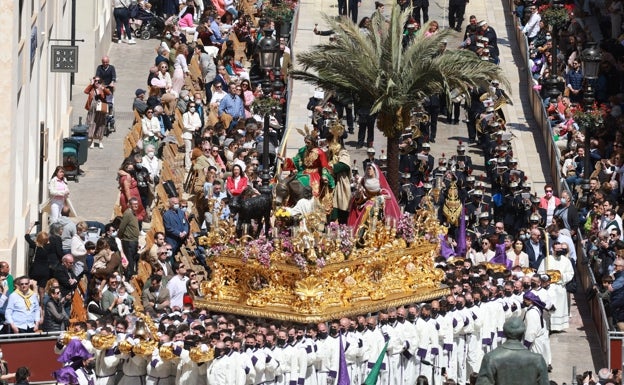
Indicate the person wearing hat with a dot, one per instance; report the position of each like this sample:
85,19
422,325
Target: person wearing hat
489,33
475,206
462,161
409,195
139,104
442,167
475,109
484,228
370,153
410,32
495,365
423,163
513,174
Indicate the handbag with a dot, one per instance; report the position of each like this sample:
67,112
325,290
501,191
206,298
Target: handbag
101,106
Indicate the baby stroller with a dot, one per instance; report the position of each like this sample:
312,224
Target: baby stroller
71,147
110,117
151,25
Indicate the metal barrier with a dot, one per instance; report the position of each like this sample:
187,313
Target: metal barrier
537,106
597,311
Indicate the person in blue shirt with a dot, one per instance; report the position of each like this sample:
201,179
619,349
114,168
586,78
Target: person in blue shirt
176,225
233,105
23,312
216,37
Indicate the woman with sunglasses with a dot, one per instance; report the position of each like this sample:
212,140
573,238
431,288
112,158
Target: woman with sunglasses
192,292
55,317
97,109
248,96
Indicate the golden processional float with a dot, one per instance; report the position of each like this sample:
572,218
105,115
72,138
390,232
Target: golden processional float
308,271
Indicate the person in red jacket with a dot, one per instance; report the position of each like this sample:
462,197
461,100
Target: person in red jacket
237,182
549,202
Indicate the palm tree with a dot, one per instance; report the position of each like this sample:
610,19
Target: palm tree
379,71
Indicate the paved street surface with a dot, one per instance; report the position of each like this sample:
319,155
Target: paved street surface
95,195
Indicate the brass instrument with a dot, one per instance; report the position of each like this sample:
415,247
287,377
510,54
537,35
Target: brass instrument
419,117
495,267
454,260
103,342
166,352
146,332
145,348
125,346
70,335
456,96
197,355
528,270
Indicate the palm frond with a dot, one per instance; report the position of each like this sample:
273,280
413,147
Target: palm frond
383,72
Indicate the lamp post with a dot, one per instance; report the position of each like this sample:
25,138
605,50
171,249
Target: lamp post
554,87
269,51
591,58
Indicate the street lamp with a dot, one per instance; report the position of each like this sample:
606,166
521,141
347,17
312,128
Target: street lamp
591,58
553,86
269,50
269,54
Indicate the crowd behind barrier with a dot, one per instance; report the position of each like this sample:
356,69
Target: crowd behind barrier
611,340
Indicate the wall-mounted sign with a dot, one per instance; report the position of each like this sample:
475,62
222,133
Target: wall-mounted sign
64,58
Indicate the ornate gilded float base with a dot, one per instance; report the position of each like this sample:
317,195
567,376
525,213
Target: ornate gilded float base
391,275
285,313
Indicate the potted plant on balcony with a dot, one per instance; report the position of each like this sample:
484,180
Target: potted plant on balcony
281,12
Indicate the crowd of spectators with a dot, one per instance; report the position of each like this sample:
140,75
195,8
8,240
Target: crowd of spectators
196,77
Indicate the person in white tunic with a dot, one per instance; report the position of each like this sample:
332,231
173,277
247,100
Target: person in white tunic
474,352
134,367
409,333
536,336
444,323
285,354
86,374
221,371
559,316
328,356
396,345
353,347
256,357
428,338
160,371
106,362
241,369
374,342
271,364
307,344
187,371
536,288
